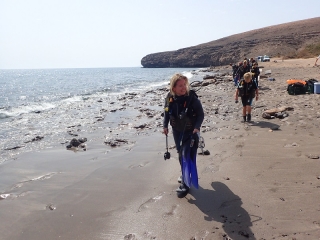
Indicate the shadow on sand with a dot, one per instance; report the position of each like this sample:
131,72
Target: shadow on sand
264,124
221,205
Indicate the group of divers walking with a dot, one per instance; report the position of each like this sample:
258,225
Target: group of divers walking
184,112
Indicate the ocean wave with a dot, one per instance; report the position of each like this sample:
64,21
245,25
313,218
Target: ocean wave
188,74
108,89
17,111
73,99
159,84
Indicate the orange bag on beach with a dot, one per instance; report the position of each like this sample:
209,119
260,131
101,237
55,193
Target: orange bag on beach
292,81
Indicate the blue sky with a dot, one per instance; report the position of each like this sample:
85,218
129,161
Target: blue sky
105,33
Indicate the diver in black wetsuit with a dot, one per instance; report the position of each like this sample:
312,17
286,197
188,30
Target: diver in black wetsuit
184,111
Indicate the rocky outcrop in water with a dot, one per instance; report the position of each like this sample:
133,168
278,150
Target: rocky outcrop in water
278,40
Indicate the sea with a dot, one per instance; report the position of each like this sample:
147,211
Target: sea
38,105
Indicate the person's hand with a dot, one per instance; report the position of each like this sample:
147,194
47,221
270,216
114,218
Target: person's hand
195,130
165,131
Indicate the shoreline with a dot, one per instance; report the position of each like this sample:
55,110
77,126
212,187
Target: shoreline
257,183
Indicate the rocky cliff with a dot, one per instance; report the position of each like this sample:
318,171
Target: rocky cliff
278,40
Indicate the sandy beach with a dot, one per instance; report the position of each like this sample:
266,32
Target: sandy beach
261,180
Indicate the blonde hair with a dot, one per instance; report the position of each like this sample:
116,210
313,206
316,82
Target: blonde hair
173,82
247,76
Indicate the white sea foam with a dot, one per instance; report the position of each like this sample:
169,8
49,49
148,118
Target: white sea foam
189,75
16,111
155,85
73,99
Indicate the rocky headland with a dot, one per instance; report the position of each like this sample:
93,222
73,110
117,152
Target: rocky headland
283,40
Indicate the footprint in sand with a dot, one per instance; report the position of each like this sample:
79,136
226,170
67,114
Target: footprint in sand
317,224
290,145
149,235
202,234
240,145
138,166
229,203
247,127
129,236
146,205
211,169
115,212
170,213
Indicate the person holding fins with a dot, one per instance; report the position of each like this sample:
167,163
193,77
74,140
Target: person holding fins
247,90
184,111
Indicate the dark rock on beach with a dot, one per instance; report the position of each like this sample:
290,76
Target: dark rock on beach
141,126
77,144
13,148
37,138
116,142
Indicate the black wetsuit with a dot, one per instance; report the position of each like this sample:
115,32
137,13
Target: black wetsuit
183,124
247,92
242,70
256,72
234,70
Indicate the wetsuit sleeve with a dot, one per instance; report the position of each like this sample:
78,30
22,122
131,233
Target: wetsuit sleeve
258,72
241,72
238,72
166,114
197,108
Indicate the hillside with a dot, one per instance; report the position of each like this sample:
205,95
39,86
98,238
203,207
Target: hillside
283,40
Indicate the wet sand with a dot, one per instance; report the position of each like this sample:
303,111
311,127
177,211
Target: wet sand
261,180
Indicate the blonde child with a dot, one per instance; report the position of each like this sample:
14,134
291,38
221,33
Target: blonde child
247,90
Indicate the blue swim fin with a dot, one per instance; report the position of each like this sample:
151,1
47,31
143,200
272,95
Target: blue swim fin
193,167
188,164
